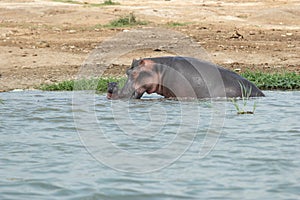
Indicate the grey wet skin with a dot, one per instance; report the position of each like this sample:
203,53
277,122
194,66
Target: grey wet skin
112,90
183,77
112,87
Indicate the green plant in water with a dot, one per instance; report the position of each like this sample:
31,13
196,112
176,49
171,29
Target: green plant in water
1,101
241,109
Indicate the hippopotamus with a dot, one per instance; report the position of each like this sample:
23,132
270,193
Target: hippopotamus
112,90
182,77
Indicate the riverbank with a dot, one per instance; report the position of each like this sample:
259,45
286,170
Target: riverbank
264,81
46,41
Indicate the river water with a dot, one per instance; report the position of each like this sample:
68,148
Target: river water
55,145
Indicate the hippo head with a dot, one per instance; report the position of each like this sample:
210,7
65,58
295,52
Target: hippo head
142,77
112,90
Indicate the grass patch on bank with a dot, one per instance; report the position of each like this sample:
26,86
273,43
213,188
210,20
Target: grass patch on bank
177,24
274,81
98,84
110,3
126,21
264,81
105,3
67,1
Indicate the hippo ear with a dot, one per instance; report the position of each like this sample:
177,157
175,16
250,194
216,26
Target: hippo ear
134,63
142,63
146,64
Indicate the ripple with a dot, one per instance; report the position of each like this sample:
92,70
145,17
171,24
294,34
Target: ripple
42,156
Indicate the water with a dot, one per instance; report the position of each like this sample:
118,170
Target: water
249,156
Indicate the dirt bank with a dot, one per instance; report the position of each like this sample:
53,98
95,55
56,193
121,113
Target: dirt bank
45,41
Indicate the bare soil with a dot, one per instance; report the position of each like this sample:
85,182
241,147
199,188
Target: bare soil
46,41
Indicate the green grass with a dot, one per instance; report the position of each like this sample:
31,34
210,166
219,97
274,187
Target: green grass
68,1
110,3
176,24
100,84
242,108
274,81
264,81
105,3
126,21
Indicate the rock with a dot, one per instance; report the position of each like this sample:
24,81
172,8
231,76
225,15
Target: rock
43,44
237,35
72,31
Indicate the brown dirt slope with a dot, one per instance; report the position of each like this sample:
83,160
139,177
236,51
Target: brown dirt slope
45,41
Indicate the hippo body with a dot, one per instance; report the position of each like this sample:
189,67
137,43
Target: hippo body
184,77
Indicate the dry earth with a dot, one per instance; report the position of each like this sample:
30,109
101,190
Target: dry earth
45,41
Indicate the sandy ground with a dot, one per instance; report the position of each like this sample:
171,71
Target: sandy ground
46,41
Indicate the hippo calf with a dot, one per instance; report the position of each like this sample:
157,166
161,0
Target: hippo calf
182,77
112,90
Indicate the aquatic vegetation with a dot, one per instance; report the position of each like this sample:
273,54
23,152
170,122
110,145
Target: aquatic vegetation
241,109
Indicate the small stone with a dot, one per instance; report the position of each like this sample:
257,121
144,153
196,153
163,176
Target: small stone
289,34
72,31
56,29
43,44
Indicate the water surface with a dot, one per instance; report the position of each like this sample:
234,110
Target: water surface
43,156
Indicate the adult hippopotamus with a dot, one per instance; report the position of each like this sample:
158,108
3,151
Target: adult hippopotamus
182,77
